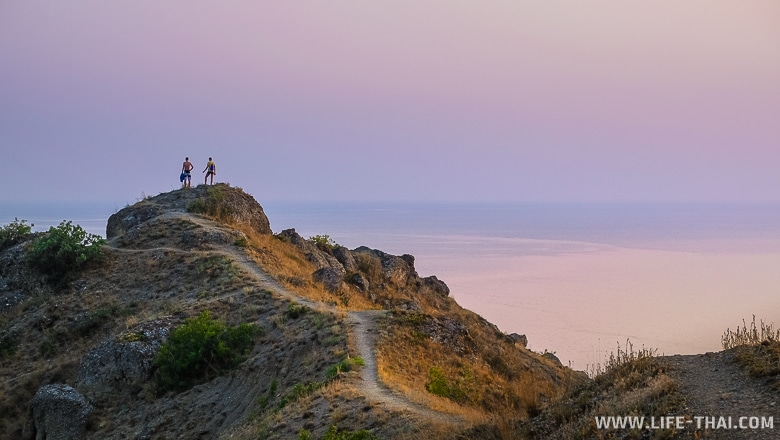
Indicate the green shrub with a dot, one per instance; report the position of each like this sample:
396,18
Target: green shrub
437,383
456,390
200,349
64,250
14,232
295,310
344,366
323,243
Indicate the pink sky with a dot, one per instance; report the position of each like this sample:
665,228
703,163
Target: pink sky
393,100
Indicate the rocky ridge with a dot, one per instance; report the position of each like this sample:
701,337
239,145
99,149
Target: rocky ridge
90,347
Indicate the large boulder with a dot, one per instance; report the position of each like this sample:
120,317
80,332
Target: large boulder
397,270
331,278
124,364
57,412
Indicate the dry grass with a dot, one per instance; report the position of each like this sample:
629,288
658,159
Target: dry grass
624,355
753,335
289,266
486,375
757,349
629,383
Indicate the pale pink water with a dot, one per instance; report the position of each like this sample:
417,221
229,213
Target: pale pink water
582,302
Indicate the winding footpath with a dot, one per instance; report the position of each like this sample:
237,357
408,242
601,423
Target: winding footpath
363,325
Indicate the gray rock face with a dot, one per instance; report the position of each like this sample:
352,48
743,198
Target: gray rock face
57,412
122,365
345,257
331,278
360,281
521,340
436,285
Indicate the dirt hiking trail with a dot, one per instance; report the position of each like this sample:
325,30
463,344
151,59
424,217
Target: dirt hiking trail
363,325
716,386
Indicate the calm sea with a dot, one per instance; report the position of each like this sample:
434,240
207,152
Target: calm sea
576,279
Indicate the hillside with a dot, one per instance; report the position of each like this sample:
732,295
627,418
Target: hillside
344,343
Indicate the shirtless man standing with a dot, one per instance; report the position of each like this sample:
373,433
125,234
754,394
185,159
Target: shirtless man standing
186,168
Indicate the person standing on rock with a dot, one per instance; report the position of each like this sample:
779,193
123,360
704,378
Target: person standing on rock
186,167
212,171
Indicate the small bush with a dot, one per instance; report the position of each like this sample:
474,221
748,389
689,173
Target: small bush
455,390
14,233
199,350
438,385
64,250
323,243
344,366
295,310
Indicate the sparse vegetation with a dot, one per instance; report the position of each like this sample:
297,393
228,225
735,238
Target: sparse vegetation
756,349
332,373
213,204
295,310
629,383
343,367
200,349
753,335
369,265
64,250
455,354
14,233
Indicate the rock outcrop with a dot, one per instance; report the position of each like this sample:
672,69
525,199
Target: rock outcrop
57,412
231,205
365,268
123,364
